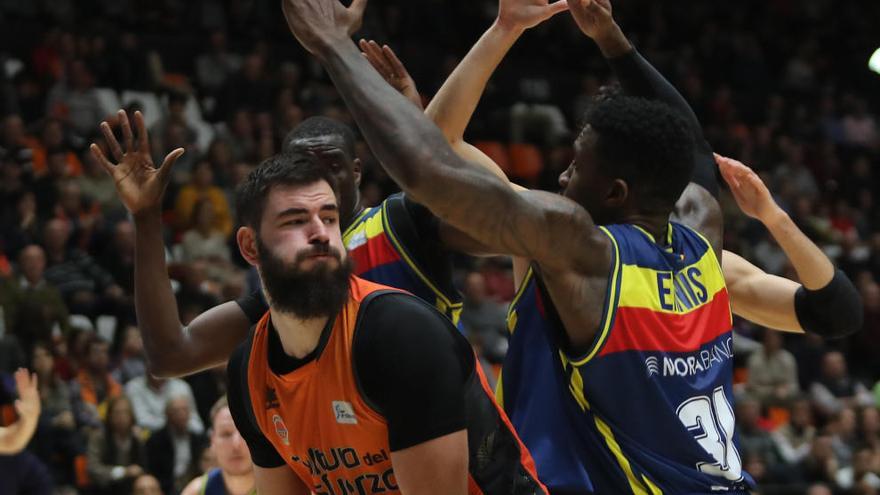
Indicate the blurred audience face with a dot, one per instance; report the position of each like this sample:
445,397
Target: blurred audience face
120,416
56,163
834,365
53,134
70,197
801,414
846,422
13,130
819,490
203,215
231,450
56,235
43,363
98,358
748,411
870,424
146,484
475,288
177,414
32,263
203,176
132,342
772,342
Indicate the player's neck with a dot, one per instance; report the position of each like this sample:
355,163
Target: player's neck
298,336
238,484
656,225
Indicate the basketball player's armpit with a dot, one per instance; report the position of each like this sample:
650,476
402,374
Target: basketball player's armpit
412,365
833,311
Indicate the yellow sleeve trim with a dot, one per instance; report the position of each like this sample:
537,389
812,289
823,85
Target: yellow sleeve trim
610,304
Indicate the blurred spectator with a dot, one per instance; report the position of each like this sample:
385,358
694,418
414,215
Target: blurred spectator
57,441
820,465
146,484
772,371
132,363
81,214
75,101
115,453
174,451
860,127
794,439
176,116
53,139
35,310
202,187
204,240
835,389
94,387
235,472
861,471
15,143
118,256
215,66
85,286
753,437
819,489
483,318
150,397
97,185
249,88
46,187
843,429
21,226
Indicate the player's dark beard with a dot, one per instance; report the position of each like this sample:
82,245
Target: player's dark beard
321,291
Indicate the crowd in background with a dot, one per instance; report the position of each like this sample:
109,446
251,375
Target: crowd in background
781,85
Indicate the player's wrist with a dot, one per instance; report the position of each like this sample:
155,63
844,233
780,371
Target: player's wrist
506,27
775,218
612,42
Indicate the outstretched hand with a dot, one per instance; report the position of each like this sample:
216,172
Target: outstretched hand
139,183
319,23
525,14
594,17
749,191
28,404
385,61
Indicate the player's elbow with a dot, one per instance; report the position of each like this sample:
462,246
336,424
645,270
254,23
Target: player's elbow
833,311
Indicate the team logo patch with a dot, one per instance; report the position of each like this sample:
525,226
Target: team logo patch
344,413
280,429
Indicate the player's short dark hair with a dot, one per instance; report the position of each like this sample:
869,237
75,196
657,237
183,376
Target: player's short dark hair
646,143
320,127
281,169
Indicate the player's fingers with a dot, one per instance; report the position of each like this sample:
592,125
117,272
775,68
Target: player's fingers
165,169
376,58
394,62
127,136
115,149
99,155
557,7
143,136
379,55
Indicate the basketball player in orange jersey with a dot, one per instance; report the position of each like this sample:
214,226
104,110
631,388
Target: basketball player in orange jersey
346,386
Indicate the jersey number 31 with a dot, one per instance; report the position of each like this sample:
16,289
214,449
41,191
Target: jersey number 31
710,420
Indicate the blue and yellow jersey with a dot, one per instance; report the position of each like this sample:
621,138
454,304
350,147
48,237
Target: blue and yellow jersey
389,246
648,408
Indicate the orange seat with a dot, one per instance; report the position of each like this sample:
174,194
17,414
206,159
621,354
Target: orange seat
526,162
778,416
740,375
497,152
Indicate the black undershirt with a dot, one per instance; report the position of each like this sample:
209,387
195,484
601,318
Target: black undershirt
411,363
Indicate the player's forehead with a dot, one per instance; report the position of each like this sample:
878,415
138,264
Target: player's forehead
309,197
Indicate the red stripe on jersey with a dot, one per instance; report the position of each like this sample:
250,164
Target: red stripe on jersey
376,252
641,329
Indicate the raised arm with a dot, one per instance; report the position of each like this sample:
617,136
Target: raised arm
550,229
825,302
171,348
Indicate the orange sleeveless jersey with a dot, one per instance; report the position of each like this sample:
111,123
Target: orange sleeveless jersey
317,420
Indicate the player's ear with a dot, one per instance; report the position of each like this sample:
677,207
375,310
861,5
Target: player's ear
247,245
356,171
617,194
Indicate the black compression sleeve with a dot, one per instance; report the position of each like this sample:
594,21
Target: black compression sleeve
263,453
253,305
412,365
639,78
833,311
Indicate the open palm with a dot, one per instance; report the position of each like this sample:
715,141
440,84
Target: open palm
138,182
525,14
749,191
594,17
